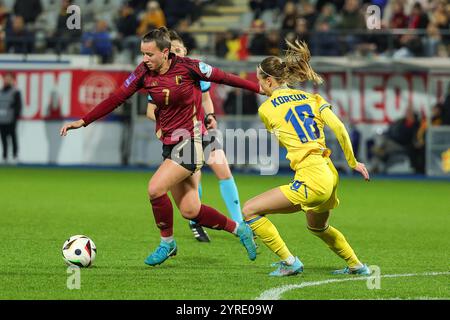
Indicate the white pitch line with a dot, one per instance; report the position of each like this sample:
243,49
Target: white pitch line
275,293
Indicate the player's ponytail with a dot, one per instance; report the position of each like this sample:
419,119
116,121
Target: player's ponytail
161,37
294,69
297,67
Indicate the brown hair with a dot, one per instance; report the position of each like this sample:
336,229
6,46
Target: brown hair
160,36
295,67
174,36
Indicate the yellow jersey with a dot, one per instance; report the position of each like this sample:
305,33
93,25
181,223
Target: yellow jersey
297,118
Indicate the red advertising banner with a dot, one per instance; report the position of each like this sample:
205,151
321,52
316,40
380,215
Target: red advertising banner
370,97
367,98
58,94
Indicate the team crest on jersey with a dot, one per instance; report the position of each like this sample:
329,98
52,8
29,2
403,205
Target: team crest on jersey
295,185
178,79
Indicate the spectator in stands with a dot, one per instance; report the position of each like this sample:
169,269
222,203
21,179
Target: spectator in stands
399,20
152,18
409,45
18,39
183,31
259,41
441,15
432,41
398,139
273,43
4,15
177,10
352,20
301,30
328,16
325,42
127,25
137,5
289,17
10,109
258,7
2,41
339,4
28,9
418,18
308,12
446,108
233,44
4,18
98,42
220,46
440,115
63,37
127,22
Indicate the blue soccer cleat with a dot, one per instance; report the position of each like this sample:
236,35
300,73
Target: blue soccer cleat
363,271
162,253
284,269
246,235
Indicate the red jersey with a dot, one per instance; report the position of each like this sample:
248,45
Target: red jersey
176,94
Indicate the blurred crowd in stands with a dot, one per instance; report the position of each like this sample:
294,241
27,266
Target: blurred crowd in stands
107,26
408,28
406,138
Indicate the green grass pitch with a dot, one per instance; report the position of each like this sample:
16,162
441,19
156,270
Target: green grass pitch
401,226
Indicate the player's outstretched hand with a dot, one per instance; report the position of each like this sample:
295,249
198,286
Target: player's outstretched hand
361,168
71,126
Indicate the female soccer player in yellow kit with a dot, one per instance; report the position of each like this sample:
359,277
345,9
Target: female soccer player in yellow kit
297,119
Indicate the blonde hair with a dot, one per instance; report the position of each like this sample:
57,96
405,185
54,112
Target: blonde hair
295,67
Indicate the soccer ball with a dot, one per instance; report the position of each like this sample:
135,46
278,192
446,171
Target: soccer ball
79,251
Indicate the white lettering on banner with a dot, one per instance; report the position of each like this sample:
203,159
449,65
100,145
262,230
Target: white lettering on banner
397,96
60,90
37,90
338,94
94,90
438,87
373,99
355,98
28,84
379,97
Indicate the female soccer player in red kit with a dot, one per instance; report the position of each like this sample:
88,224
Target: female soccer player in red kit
173,83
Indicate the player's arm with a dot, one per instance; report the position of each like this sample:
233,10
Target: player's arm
206,72
210,118
119,96
342,136
151,107
151,111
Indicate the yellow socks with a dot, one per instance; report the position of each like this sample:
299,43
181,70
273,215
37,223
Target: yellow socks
268,234
337,242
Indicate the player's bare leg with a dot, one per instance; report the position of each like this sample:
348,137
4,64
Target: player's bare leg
335,240
254,210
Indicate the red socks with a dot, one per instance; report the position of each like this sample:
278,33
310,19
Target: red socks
163,213
207,217
211,218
